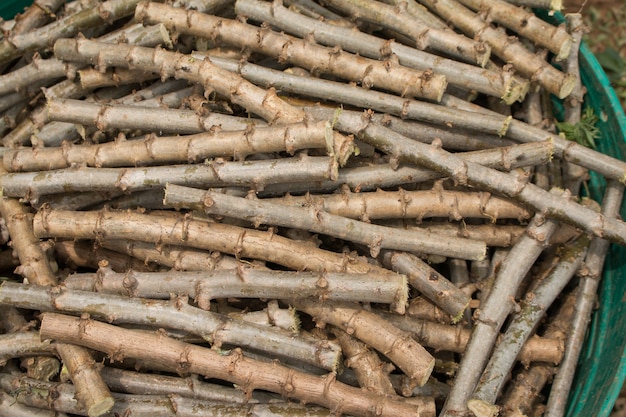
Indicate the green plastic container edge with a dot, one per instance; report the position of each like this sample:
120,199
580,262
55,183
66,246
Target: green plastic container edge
8,8
602,365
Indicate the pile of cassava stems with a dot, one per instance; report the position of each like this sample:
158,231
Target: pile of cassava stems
362,208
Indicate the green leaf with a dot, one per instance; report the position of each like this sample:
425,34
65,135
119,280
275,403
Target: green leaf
584,132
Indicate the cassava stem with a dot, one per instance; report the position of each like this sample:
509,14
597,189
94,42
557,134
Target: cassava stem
175,314
585,302
107,11
410,204
250,282
555,38
374,236
255,174
154,150
466,172
264,103
444,337
319,59
184,231
509,50
457,73
91,390
495,309
523,323
371,373
429,282
229,366
448,42
396,344
23,343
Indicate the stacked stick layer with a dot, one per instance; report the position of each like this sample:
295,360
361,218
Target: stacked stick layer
292,208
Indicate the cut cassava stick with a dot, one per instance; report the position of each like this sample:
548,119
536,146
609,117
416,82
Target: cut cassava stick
155,150
509,50
410,204
38,270
54,133
255,174
585,303
369,73
312,219
532,310
250,282
494,311
524,392
429,282
91,390
131,382
60,397
491,123
464,171
86,254
22,343
424,36
52,68
494,235
373,177
182,230
264,103
555,38
370,371
176,314
107,11
357,96
444,337
493,83
176,257
395,344
232,366
10,407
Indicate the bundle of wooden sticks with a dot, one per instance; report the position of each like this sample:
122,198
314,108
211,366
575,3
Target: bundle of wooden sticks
216,207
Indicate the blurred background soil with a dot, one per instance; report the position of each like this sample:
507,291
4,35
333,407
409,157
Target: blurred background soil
606,21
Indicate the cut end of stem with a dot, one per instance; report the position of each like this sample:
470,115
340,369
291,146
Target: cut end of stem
482,56
402,297
101,407
482,409
567,86
515,90
565,49
556,5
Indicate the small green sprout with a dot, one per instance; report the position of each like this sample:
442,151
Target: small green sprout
584,132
